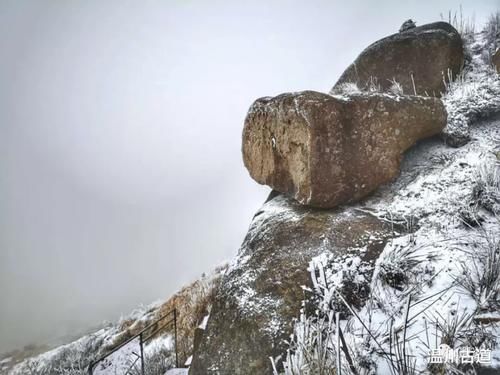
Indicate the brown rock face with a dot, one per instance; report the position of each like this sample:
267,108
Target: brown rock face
495,59
325,151
425,52
261,293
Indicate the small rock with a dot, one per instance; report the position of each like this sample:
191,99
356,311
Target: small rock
407,25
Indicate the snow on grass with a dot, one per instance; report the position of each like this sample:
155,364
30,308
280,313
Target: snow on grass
480,272
71,359
4,364
162,343
474,94
75,357
437,249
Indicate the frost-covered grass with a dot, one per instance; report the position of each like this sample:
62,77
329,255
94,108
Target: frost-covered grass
480,271
352,88
322,342
317,345
192,304
492,31
485,194
486,191
475,93
465,25
347,88
158,357
347,274
469,97
71,359
403,264
312,348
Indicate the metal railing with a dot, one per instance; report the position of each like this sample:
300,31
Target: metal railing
133,349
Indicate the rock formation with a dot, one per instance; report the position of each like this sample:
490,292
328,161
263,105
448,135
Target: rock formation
324,150
418,59
261,293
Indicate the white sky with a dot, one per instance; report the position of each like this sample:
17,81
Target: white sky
120,131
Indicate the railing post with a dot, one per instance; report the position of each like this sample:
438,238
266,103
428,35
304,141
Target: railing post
175,338
142,354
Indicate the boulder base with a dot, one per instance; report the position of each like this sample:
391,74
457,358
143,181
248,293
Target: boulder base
262,292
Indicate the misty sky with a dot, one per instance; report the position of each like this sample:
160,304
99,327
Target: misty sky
120,131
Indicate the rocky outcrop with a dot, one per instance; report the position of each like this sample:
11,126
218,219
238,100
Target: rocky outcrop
495,60
417,58
325,151
262,291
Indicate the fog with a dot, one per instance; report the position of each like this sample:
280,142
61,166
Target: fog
121,177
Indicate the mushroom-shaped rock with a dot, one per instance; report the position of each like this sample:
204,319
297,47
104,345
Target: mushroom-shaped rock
325,150
420,59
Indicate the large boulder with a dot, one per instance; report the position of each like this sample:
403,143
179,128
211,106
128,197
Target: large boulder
418,58
324,150
262,292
